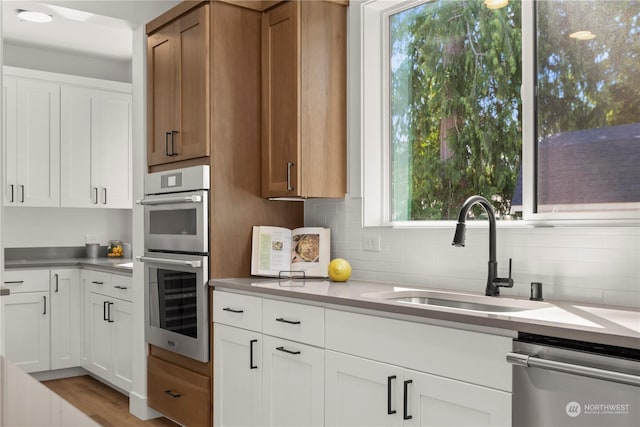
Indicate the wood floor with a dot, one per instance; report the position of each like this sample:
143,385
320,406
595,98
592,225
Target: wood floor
103,404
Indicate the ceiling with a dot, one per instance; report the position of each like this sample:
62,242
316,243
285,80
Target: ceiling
90,27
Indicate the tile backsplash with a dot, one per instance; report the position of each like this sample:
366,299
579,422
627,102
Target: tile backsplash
584,264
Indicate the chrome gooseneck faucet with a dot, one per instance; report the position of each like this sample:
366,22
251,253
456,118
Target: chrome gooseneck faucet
494,283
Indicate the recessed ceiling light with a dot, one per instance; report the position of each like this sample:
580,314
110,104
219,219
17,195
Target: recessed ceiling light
582,35
495,4
30,16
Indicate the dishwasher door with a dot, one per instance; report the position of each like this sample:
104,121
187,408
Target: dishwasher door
556,386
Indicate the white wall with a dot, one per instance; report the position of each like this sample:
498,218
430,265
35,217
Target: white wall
59,61
42,227
598,264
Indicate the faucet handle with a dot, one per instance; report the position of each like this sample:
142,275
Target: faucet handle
505,282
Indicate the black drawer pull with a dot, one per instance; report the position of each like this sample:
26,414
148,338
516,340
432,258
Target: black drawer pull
97,283
14,282
172,394
287,351
291,322
232,310
251,365
121,287
389,410
406,403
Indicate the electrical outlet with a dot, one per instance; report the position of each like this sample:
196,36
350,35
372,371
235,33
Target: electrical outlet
90,238
371,243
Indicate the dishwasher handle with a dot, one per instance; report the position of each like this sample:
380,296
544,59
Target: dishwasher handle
528,361
194,263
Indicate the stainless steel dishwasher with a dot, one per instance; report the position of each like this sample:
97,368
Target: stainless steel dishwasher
558,382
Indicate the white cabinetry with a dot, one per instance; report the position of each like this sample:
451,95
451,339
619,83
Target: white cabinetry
289,374
65,318
31,142
67,141
107,350
26,323
95,148
360,369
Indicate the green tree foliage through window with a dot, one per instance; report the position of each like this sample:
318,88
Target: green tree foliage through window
455,107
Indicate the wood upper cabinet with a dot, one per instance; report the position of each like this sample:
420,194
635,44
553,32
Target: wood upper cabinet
178,89
304,100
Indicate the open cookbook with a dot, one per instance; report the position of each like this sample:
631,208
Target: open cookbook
281,252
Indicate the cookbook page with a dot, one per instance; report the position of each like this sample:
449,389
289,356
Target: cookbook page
270,251
310,251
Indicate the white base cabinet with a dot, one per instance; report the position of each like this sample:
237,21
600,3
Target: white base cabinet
238,377
42,318
107,349
371,371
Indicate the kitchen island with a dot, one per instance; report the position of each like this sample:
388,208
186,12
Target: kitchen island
26,402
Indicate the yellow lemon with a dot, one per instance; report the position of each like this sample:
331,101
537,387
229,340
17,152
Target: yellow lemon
339,270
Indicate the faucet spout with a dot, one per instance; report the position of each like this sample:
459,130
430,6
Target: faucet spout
493,281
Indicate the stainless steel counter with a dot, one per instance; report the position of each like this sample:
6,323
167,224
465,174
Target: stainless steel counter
26,402
601,324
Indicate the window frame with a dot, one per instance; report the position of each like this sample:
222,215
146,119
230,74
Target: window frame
374,126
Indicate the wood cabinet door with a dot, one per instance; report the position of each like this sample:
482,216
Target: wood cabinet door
178,86
121,316
65,318
112,149
438,401
26,330
38,138
280,101
292,383
361,392
237,387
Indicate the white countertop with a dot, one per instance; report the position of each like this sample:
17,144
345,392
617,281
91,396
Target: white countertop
26,402
609,325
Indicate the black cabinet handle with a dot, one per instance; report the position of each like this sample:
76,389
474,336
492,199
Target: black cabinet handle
22,194
11,193
44,312
251,366
406,403
95,190
14,282
104,310
172,394
109,319
95,282
121,287
232,310
287,351
389,410
291,322
56,276
104,190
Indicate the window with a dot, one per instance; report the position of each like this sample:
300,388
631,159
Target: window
449,109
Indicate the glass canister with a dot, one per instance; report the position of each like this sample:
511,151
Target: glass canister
115,248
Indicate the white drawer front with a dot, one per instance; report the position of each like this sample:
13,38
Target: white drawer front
98,282
19,281
121,287
296,322
238,310
473,357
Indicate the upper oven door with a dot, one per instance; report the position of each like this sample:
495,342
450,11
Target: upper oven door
177,222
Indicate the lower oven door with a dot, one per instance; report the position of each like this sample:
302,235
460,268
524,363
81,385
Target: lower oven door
177,309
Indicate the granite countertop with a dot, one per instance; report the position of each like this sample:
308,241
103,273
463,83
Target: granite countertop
26,402
111,265
601,324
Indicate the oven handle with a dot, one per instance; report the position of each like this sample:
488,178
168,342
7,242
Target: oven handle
194,264
171,200
527,361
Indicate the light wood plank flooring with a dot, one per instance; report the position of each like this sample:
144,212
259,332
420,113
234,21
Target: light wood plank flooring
103,404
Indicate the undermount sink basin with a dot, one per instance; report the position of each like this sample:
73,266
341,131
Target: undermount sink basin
457,301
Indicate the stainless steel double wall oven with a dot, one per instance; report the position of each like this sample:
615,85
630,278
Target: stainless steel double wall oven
176,259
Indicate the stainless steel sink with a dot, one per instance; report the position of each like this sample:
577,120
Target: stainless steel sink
457,301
